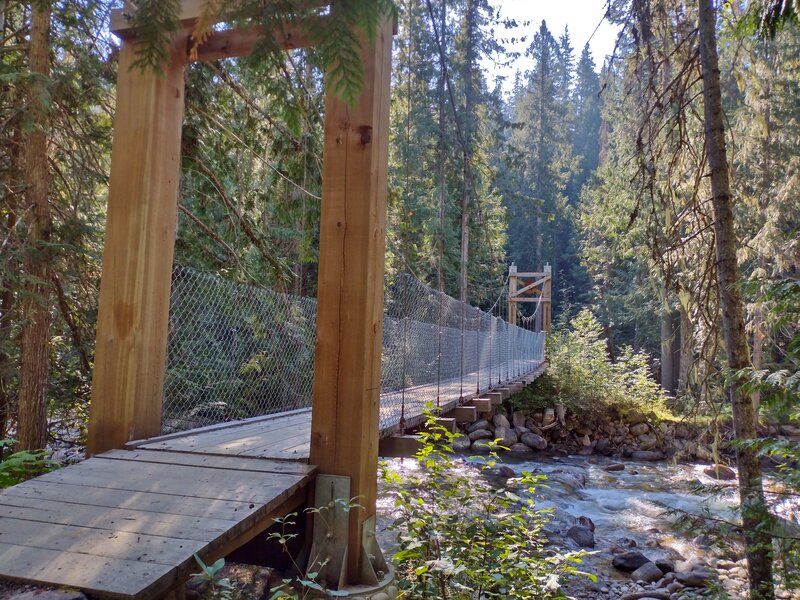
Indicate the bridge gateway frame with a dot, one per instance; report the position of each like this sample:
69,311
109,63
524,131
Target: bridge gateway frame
137,260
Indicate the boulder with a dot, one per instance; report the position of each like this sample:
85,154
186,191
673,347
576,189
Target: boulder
549,417
604,447
521,430
583,536
666,566
629,561
615,467
648,573
501,421
520,448
722,472
518,418
533,440
682,431
639,429
647,455
507,437
703,453
694,578
482,424
506,471
480,434
647,441
482,445
584,521
461,443
585,441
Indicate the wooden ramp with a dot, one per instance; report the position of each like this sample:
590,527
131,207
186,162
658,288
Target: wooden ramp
125,524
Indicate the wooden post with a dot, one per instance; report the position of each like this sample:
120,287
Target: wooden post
344,424
137,260
547,304
512,292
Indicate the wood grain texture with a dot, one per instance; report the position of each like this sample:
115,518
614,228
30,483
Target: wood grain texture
137,259
344,438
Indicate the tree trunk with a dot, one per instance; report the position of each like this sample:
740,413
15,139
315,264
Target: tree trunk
36,302
758,542
666,344
469,101
9,186
442,151
686,350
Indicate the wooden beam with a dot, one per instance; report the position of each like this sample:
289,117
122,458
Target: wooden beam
530,287
243,41
344,424
191,10
137,260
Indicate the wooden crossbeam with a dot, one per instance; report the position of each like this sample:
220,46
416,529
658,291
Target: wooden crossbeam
122,19
242,41
530,286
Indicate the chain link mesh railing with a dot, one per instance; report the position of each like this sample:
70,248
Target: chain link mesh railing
238,351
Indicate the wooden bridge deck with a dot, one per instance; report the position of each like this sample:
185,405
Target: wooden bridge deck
125,524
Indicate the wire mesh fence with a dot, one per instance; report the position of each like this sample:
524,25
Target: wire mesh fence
238,351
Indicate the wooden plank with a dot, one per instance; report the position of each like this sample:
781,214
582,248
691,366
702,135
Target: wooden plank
464,414
142,547
449,424
496,398
97,497
482,405
400,446
139,243
344,439
107,577
192,482
529,288
228,463
116,519
252,421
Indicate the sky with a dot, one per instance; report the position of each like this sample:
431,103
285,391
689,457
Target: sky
581,16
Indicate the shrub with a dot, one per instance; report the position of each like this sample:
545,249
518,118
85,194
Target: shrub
23,465
584,378
461,538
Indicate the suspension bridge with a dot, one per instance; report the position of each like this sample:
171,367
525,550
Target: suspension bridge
218,407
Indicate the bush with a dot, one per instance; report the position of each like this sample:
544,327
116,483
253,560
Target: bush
584,378
23,465
461,538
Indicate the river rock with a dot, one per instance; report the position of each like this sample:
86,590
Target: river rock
703,453
461,443
648,595
682,431
518,418
647,441
722,472
639,429
482,445
520,448
506,471
666,566
635,417
604,447
694,578
549,417
533,440
501,421
648,455
630,560
480,434
585,441
648,573
507,437
584,521
614,467
581,535
482,424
